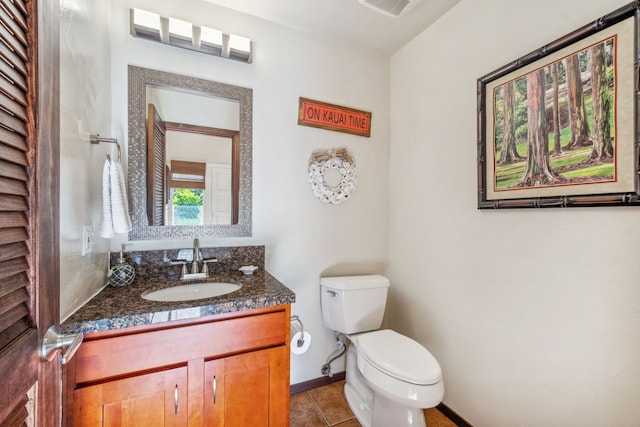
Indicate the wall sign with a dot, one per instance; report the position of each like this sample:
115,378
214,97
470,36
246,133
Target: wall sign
334,117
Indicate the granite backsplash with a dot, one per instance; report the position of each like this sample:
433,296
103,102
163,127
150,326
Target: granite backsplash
156,264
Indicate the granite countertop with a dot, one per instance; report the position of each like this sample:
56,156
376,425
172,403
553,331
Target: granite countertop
123,307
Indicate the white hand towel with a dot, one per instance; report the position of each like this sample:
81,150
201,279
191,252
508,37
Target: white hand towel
115,207
119,203
107,220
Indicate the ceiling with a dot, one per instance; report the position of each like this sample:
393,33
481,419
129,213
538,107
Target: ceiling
346,20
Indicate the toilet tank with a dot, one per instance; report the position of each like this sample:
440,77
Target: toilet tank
353,304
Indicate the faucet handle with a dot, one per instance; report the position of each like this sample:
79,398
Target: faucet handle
184,265
205,267
196,251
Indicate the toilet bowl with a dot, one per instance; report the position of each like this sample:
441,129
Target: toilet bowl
390,378
402,375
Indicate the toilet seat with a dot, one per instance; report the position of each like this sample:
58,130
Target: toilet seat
399,356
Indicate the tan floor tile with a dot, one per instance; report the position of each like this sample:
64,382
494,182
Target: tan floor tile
436,418
349,423
304,412
332,403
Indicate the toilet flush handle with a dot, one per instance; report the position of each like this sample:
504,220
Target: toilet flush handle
332,293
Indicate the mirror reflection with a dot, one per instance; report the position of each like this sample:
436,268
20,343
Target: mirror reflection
192,168
189,157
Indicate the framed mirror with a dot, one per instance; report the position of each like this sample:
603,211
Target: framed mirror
189,157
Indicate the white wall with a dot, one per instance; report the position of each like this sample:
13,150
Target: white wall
85,107
304,238
534,315
196,147
186,107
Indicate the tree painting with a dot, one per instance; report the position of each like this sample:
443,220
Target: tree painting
509,154
538,171
555,125
577,108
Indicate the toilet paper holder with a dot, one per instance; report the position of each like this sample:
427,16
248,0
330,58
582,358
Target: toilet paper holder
300,341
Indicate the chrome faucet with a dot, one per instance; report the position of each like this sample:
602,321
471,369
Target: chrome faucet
195,265
199,267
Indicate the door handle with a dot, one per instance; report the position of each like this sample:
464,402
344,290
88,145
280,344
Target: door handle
215,389
175,400
54,340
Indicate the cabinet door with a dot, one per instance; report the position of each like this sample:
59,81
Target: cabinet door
156,399
250,389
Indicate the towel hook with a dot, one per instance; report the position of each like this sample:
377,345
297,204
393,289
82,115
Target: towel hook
95,138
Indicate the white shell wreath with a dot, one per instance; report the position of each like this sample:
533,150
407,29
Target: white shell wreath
338,162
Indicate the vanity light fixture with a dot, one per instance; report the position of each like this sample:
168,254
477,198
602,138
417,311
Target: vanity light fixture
239,46
175,32
211,41
180,33
147,23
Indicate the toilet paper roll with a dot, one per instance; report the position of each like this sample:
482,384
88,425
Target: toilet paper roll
304,347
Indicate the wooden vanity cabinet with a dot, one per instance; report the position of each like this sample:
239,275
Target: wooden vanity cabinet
228,370
156,399
241,391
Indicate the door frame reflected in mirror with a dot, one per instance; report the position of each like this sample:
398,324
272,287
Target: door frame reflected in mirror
139,78
233,137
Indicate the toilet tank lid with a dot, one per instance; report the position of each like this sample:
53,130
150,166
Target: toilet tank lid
355,282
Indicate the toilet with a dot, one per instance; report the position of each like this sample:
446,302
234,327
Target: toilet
390,378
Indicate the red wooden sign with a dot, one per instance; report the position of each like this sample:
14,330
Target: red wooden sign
334,117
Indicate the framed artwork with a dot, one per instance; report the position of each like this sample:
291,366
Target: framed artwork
557,127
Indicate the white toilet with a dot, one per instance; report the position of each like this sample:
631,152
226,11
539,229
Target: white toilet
390,378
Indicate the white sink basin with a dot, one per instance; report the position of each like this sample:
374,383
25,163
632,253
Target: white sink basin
192,291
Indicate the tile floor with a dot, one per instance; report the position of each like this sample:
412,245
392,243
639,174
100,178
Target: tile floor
326,406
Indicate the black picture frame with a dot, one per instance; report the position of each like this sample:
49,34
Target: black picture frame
518,187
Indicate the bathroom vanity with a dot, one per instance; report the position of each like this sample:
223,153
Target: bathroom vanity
209,362
228,370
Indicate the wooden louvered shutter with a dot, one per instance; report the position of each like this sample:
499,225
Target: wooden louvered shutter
156,167
17,130
18,137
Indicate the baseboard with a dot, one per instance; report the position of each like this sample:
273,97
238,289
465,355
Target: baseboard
316,382
455,418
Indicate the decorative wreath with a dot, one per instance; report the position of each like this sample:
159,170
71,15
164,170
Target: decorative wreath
339,160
